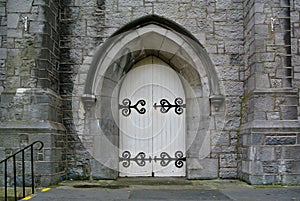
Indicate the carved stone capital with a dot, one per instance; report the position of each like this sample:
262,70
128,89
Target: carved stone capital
88,100
217,101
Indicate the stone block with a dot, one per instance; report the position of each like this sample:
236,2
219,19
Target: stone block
220,59
230,124
13,20
45,168
270,167
289,166
263,179
273,140
289,112
194,145
10,140
3,53
258,115
46,139
228,72
257,139
220,138
48,180
228,160
259,7
264,103
39,2
234,88
255,167
202,169
23,6
273,116
290,179
3,31
290,152
228,173
227,149
228,31
36,27
261,153
14,33
233,107
262,81
99,171
265,154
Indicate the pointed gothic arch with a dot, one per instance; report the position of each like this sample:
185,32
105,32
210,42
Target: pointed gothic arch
155,35
150,35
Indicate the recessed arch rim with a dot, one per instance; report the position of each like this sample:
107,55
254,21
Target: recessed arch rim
111,51
157,20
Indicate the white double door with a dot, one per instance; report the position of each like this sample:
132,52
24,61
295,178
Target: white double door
152,121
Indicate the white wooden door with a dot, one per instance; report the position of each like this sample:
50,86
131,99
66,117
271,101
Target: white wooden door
152,121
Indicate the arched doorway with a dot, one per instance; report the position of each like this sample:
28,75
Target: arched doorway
152,121
172,44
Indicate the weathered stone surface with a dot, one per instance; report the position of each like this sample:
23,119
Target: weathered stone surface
280,140
23,6
202,169
228,173
257,63
13,20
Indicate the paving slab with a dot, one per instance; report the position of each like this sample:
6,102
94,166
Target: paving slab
82,195
177,195
273,194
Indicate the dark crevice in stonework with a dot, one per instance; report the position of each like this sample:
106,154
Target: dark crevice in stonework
288,43
101,4
77,156
3,44
66,78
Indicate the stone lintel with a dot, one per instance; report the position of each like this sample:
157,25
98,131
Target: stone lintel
12,127
32,91
274,91
280,125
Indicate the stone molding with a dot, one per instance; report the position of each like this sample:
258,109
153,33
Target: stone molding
217,101
89,101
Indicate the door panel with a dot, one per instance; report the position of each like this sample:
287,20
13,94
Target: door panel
136,128
168,128
155,140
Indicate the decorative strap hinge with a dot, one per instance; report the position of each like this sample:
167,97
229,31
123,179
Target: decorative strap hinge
140,159
165,105
126,107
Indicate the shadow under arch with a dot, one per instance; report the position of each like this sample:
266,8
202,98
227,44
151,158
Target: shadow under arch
146,36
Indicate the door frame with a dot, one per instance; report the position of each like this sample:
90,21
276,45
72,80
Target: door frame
179,157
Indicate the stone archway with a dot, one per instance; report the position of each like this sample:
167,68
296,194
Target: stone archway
172,44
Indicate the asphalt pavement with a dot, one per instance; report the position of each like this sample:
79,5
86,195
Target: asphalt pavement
151,189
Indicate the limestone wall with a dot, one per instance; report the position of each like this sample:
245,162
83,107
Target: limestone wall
30,107
47,48
218,25
270,126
